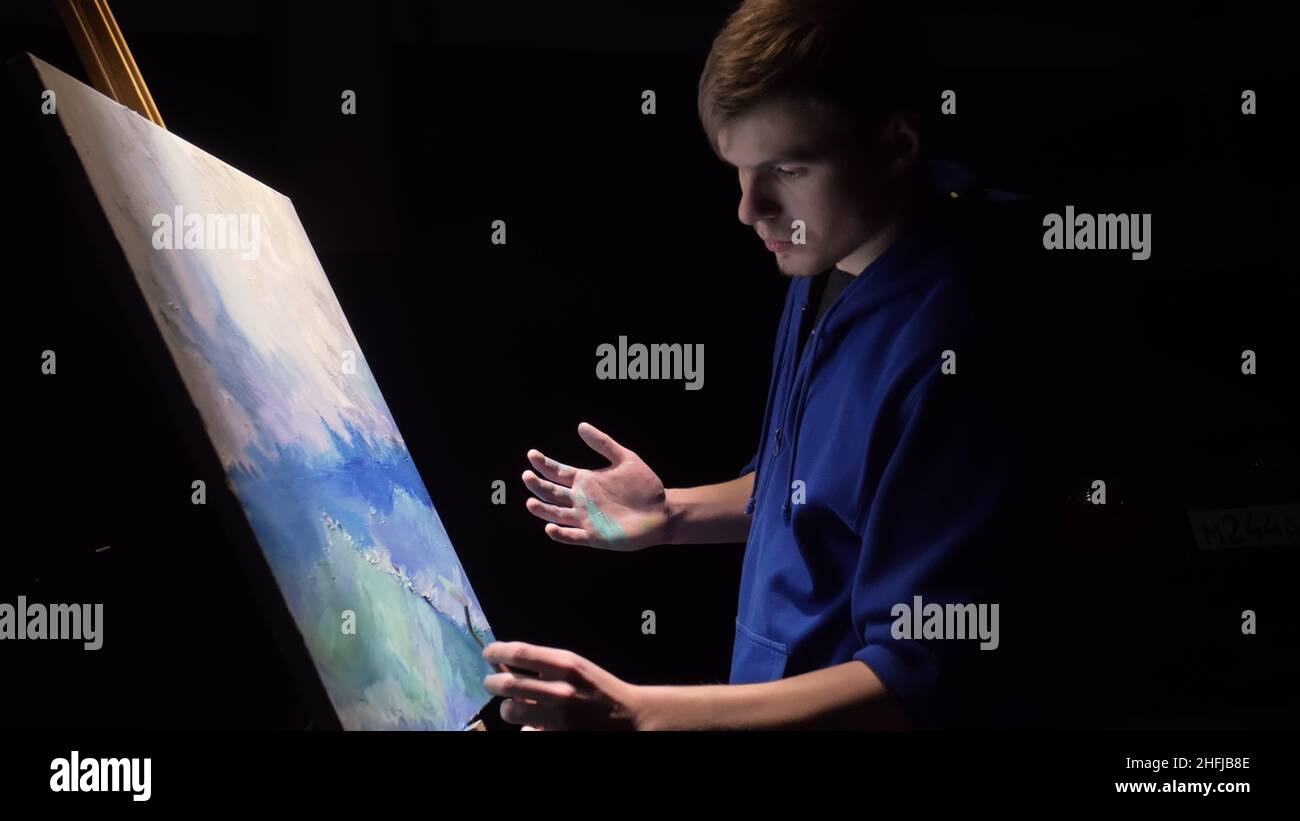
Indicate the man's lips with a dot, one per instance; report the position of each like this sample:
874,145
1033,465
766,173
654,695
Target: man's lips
778,244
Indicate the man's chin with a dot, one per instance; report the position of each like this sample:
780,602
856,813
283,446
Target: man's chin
797,271
798,264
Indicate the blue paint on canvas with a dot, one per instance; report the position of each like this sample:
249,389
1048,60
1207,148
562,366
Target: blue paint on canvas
309,446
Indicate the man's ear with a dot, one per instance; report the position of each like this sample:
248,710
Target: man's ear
901,138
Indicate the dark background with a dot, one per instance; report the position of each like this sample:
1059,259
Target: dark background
623,224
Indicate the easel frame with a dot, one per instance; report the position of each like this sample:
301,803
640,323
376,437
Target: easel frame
104,54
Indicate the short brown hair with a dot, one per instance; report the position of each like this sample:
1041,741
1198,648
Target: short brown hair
865,58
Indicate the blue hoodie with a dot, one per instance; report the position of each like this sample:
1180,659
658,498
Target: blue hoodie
878,477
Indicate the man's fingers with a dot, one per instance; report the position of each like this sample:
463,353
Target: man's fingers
552,663
547,491
549,468
511,685
519,712
602,443
565,516
568,535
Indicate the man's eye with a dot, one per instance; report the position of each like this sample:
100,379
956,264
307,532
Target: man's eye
789,173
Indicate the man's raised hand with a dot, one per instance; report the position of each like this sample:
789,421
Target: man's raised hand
619,507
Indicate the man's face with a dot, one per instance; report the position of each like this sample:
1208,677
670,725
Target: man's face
796,161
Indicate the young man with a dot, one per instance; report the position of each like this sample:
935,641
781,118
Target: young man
884,469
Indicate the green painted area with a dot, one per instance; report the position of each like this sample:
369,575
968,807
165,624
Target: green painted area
606,528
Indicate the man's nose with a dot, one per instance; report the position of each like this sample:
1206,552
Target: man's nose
755,204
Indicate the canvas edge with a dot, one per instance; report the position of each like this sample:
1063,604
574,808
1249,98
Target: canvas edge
150,124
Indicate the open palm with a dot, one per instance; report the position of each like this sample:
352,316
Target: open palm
619,507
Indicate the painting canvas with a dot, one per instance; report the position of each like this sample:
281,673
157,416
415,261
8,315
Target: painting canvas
307,442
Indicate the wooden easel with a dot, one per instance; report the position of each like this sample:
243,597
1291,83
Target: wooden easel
113,73
104,54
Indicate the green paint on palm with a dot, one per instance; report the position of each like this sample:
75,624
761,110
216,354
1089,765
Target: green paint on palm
606,528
